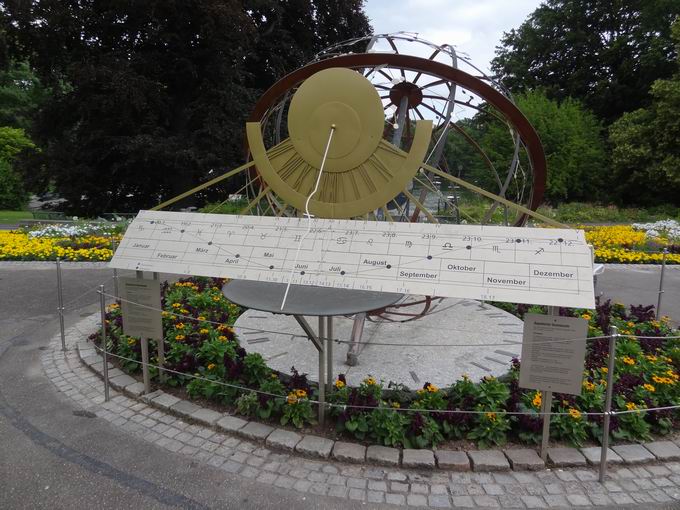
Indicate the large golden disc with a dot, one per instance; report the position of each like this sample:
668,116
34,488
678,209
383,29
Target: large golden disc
343,98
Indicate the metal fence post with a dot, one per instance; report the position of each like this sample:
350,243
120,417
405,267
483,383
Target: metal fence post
661,291
60,308
105,364
614,333
114,246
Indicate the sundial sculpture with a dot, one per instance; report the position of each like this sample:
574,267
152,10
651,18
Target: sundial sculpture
362,172
321,174
336,167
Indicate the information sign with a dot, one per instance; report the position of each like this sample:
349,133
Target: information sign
553,353
493,263
141,321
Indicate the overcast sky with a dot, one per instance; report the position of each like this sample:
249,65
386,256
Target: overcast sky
474,27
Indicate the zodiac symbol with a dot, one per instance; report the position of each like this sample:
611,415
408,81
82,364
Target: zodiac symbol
341,240
447,246
496,249
539,251
370,242
408,244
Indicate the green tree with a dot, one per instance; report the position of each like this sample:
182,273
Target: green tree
571,138
605,53
21,95
646,147
12,192
153,95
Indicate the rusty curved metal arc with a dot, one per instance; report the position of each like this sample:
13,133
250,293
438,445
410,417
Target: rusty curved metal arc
446,72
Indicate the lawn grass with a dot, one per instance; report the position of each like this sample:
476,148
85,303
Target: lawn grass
14,216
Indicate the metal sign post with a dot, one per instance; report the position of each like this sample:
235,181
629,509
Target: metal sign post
60,308
115,271
105,360
661,291
608,402
545,437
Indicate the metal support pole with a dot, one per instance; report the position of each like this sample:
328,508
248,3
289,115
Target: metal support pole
145,353
614,332
60,308
161,350
661,291
546,407
115,271
329,353
322,373
105,359
145,365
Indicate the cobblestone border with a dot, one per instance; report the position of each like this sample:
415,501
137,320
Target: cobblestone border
250,455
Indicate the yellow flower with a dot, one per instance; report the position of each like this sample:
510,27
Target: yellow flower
432,388
339,384
216,298
536,402
201,318
649,388
630,406
651,357
211,366
273,376
300,393
630,324
370,381
131,341
165,314
204,331
672,374
628,360
292,398
179,325
395,405
588,385
179,338
222,338
491,416
176,305
184,311
574,413
604,370
586,316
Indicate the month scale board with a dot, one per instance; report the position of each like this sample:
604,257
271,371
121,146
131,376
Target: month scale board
522,265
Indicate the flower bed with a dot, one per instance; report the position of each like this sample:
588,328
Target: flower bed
203,352
15,245
635,244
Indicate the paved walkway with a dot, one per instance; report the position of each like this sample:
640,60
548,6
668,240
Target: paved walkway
651,484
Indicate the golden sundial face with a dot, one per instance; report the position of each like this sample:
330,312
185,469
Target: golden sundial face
362,172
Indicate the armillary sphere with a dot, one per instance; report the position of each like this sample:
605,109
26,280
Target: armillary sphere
376,114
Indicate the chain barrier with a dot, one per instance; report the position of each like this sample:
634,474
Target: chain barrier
389,344
398,409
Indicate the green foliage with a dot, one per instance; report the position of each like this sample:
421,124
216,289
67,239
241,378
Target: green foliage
582,213
247,404
388,427
159,88
256,370
646,153
490,429
599,52
12,192
12,142
571,138
297,411
21,95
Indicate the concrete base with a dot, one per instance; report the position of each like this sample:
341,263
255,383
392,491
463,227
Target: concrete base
453,321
